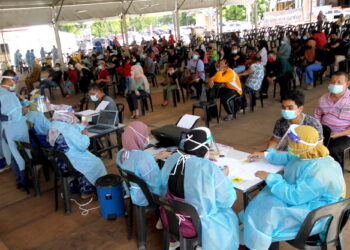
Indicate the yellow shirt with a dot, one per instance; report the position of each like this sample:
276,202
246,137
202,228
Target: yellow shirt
230,79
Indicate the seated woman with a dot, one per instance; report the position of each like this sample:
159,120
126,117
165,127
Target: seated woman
133,158
190,176
38,123
66,135
311,179
140,88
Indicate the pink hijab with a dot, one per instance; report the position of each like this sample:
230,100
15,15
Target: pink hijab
135,136
137,72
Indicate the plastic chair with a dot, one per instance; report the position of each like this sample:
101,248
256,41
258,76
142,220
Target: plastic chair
346,155
176,95
66,176
32,163
241,100
120,108
144,103
208,106
141,218
172,208
339,213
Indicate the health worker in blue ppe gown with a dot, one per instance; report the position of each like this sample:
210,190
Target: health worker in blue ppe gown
189,175
37,121
311,179
13,126
66,135
133,158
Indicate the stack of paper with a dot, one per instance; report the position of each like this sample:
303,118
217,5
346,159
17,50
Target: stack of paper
90,112
246,170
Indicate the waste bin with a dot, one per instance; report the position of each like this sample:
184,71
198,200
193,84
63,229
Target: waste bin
110,196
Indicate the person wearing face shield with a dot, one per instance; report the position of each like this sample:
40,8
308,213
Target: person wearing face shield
13,126
190,176
333,111
292,113
133,158
311,179
69,137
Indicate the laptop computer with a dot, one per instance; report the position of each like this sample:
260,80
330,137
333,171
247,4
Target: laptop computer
106,121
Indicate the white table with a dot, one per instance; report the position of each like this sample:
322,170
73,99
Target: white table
246,187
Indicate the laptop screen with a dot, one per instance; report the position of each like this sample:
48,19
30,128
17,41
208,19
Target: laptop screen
107,117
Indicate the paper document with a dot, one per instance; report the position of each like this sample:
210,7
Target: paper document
155,151
246,171
102,106
88,112
187,121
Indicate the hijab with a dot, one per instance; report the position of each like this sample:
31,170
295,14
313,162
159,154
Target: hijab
137,72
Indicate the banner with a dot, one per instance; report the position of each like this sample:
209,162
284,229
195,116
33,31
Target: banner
283,17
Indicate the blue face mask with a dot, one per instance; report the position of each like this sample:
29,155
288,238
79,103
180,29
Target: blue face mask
25,103
94,98
289,114
100,67
195,57
56,69
335,88
142,57
305,37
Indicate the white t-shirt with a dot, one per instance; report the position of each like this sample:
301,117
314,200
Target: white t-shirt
263,54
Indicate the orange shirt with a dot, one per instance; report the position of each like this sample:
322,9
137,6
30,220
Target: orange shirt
230,79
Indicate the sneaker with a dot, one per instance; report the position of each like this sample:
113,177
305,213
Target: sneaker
164,103
174,245
159,225
228,118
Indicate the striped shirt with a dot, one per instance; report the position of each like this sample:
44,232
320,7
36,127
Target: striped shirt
334,115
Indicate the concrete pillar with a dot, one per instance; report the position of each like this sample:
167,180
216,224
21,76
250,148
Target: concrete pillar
57,37
125,28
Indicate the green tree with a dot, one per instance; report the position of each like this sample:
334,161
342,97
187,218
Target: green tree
105,27
186,20
235,12
263,6
75,28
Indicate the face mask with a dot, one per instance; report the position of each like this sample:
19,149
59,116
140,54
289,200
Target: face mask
100,67
289,114
234,51
94,98
142,56
56,69
25,103
335,89
195,57
305,37
133,60
291,152
271,60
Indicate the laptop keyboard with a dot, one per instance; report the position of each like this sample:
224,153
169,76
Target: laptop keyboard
99,127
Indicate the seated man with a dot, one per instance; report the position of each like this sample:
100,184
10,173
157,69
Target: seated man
292,113
282,71
174,76
196,68
97,95
231,90
333,110
34,76
54,79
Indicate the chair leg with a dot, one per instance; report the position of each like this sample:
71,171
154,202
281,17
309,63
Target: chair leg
166,239
141,226
56,192
130,219
274,89
275,246
66,196
206,116
150,103
261,99
174,97
36,179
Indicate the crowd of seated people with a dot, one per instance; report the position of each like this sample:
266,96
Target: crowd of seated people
236,69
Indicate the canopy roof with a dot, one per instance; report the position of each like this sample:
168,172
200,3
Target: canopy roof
17,13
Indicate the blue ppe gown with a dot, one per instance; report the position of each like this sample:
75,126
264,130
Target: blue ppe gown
40,126
278,211
13,127
213,195
82,160
143,165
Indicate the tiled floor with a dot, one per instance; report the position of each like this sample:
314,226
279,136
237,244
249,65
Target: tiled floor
27,222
